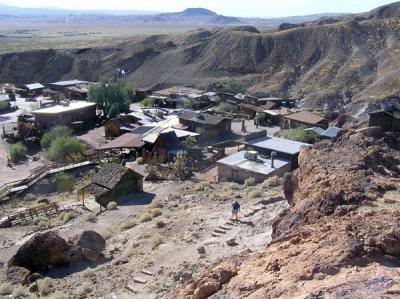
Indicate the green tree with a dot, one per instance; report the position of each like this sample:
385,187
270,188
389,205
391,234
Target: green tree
301,135
232,86
181,167
18,152
65,148
65,182
190,141
146,102
112,97
55,133
225,107
261,119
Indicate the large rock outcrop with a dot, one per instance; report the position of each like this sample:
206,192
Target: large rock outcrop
47,250
341,236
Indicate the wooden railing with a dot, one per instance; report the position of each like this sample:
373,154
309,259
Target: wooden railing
30,214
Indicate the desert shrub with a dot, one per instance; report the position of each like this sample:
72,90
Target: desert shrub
44,285
261,119
65,148
30,197
91,271
181,166
203,187
231,186
273,181
160,223
112,205
6,288
20,292
225,196
301,135
65,182
66,217
107,233
85,288
225,107
55,133
250,182
156,212
57,295
127,224
147,103
145,217
18,152
91,217
190,141
155,204
254,194
155,241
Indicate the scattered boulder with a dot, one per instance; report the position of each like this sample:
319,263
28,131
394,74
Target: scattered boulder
42,252
33,288
90,244
201,250
232,242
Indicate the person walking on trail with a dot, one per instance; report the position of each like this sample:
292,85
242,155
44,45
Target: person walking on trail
235,210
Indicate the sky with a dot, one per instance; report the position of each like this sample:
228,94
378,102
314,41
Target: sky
260,8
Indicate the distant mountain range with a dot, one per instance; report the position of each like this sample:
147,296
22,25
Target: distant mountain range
190,16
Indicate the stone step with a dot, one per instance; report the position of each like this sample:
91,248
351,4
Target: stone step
131,289
144,271
231,223
225,227
215,234
219,231
139,280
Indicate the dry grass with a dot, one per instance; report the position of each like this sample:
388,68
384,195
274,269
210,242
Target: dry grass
231,186
85,288
155,241
250,182
203,187
107,233
254,194
6,288
112,205
160,224
66,217
273,181
146,217
57,295
44,285
20,292
91,217
156,212
127,224
91,271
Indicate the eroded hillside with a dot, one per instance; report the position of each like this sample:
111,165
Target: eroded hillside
339,239
319,63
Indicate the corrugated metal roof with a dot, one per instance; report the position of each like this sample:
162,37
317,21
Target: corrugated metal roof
69,82
34,86
331,132
305,117
262,165
127,140
278,144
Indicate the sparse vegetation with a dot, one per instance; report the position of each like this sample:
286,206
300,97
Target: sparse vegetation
203,187
232,86
91,271
57,295
44,285
301,135
127,224
225,107
160,223
55,133
66,217
65,182
147,102
18,152
190,141
30,197
156,212
112,205
250,182
85,288
273,181
6,288
107,233
20,292
231,186
65,148
146,217
91,217
155,241
181,167
254,194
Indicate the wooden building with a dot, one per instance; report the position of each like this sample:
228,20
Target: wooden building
304,118
65,114
207,125
165,148
63,85
113,182
4,102
30,90
116,127
388,119
141,94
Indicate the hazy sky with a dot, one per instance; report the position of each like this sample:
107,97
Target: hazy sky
260,8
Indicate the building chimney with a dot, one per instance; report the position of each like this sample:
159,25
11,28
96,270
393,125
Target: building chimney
273,155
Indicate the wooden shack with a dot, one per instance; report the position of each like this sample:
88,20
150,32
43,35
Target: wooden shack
116,127
304,118
165,148
112,182
388,119
207,125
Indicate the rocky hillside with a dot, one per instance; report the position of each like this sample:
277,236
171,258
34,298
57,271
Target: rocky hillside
326,62
339,239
